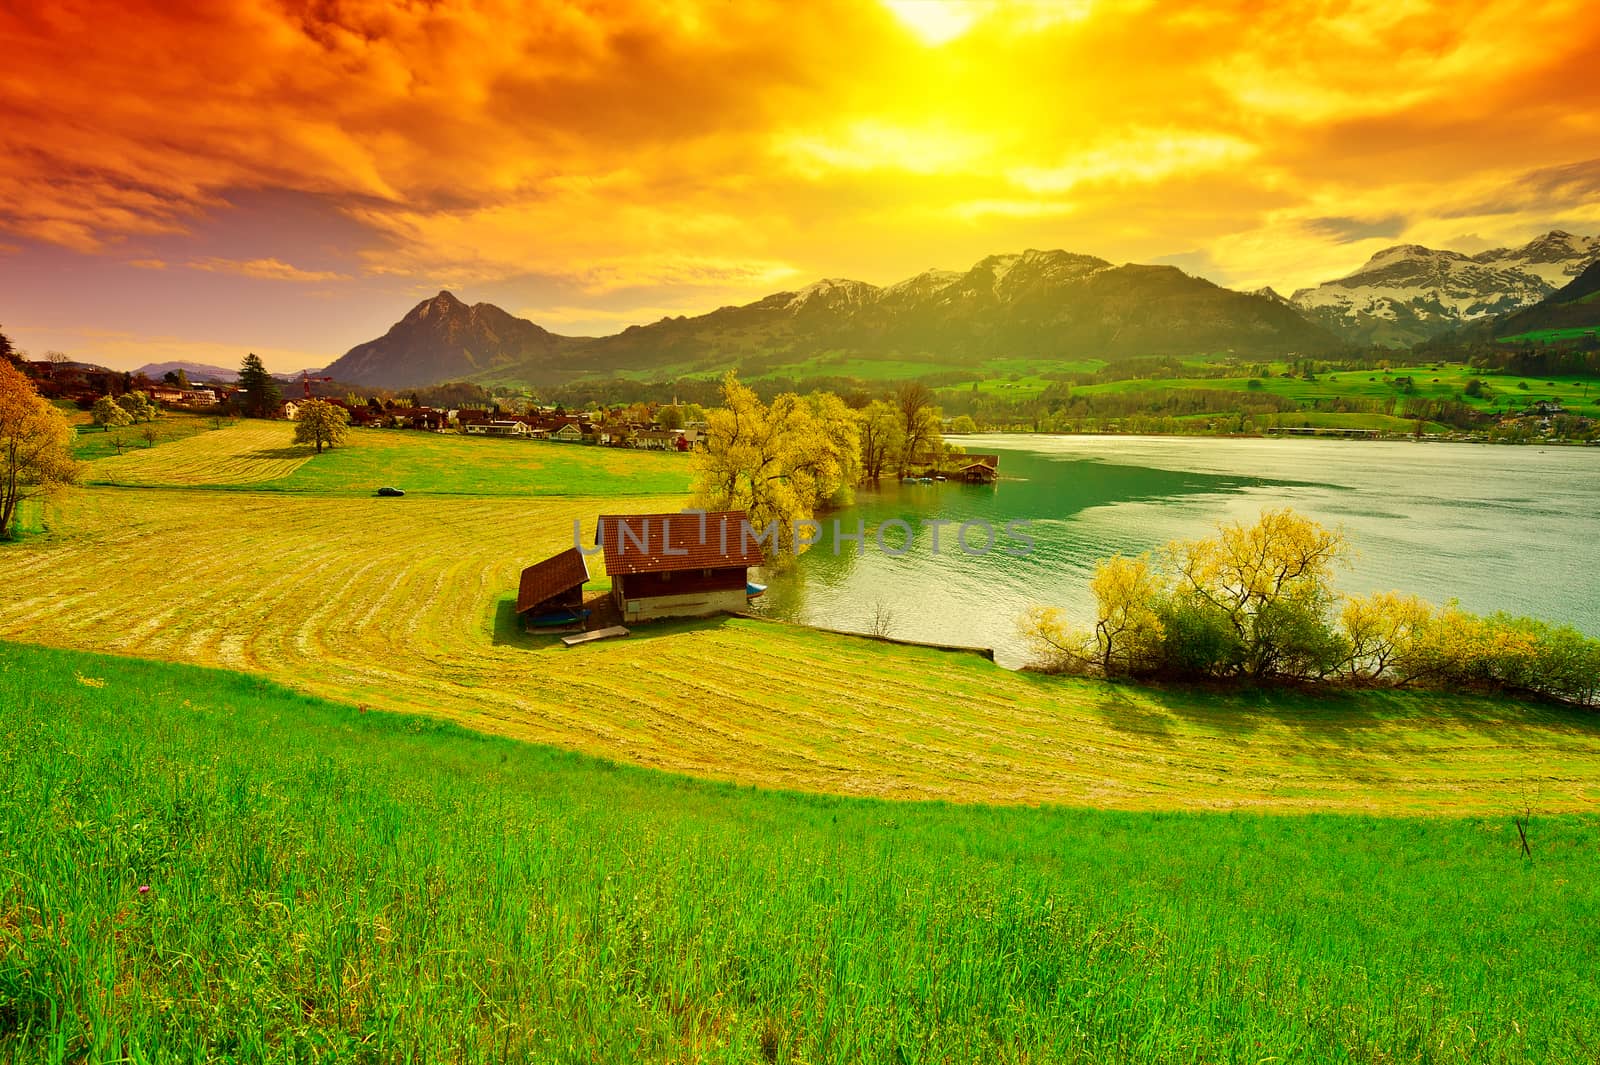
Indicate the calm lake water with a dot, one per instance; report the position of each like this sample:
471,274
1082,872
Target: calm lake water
1499,528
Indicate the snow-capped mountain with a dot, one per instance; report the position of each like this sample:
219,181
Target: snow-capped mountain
1407,293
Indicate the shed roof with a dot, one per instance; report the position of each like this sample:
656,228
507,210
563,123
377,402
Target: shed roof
691,539
556,574
991,461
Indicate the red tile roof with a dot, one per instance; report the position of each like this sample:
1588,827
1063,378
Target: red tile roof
658,543
556,574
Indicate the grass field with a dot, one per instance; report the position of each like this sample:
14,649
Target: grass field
396,603
325,883
433,463
93,442
1545,336
263,455
245,453
1444,382
1580,395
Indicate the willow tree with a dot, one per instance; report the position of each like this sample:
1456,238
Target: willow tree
1272,584
35,446
882,436
779,463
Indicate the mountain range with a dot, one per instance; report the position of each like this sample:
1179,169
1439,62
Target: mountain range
1036,304
196,371
1043,304
1574,306
1408,293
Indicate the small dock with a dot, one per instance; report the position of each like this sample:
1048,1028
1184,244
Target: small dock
598,634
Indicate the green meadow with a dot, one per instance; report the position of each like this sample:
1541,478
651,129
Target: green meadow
464,465
96,442
262,456
1582,395
201,865
1545,336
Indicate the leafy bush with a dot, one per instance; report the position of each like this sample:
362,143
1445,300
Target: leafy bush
1197,640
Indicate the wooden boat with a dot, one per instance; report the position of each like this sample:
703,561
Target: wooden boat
752,589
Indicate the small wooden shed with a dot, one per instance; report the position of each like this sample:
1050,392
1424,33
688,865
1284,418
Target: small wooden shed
551,591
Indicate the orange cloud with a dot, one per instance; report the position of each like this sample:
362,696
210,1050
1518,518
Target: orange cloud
726,149
265,270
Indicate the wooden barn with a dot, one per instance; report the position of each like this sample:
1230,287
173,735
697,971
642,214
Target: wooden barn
551,592
688,564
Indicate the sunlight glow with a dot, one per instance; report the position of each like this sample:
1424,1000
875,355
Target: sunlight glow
936,22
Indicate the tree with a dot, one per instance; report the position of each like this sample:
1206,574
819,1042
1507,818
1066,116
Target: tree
9,352
321,423
1127,631
1272,582
881,437
777,463
1127,634
963,424
35,446
919,424
109,414
261,393
138,406
1382,632
670,418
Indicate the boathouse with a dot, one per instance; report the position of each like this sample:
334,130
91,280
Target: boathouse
978,469
688,564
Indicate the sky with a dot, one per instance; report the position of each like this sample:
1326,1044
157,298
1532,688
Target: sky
190,180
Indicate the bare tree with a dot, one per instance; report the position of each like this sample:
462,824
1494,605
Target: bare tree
882,621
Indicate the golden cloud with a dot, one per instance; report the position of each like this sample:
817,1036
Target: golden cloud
265,270
730,148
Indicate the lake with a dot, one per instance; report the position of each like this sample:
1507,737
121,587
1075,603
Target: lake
1499,528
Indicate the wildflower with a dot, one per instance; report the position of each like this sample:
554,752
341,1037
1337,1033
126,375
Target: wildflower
144,889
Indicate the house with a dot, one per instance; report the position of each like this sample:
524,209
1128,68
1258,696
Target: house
978,469
291,409
495,428
551,591
656,439
568,433
688,564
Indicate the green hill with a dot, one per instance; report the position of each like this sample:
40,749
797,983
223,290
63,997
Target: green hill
1569,313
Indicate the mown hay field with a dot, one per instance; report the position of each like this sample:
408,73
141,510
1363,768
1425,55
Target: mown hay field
246,452
398,604
95,442
202,866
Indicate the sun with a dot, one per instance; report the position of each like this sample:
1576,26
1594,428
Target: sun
936,22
